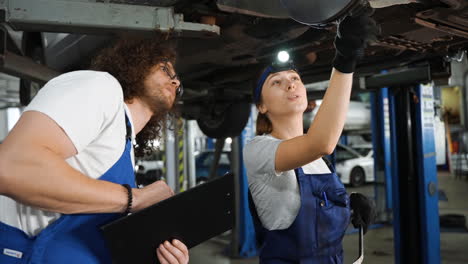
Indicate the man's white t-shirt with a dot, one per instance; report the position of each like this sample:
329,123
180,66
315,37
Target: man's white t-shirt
89,107
276,195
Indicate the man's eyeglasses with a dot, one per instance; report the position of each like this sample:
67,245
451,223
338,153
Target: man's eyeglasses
180,88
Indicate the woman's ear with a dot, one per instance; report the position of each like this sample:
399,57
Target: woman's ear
262,108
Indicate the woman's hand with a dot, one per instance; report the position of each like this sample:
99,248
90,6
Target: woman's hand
172,253
352,36
363,211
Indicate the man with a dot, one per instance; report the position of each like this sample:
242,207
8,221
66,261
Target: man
68,163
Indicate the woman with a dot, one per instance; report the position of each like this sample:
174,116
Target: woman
301,206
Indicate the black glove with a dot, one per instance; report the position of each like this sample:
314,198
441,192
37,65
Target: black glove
353,34
363,211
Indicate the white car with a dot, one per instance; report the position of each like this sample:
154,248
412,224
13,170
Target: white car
355,167
358,116
144,166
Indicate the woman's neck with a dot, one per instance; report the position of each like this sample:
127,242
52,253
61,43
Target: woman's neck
287,127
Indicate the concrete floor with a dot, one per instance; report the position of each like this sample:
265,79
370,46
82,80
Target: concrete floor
378,242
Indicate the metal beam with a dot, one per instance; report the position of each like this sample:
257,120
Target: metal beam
170,164
22,67
26,68
262,8
398,77
98,18
3,124
190,152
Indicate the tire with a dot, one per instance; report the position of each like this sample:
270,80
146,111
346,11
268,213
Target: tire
225,120
32,48
357,177
367,137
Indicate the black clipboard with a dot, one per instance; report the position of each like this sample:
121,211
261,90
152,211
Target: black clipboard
193,216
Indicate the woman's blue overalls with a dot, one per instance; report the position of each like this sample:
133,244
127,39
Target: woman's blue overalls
315,235
71,238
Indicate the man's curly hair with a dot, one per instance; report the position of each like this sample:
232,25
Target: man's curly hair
130,60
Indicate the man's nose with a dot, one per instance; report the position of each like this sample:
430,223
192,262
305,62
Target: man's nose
175,82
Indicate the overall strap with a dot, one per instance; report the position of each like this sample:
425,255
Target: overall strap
128,126
329,164
298,171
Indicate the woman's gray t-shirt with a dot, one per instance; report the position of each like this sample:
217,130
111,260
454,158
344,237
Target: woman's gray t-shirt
276,195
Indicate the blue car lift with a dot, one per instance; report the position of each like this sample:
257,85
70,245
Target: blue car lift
406,172
418,224
381,142
244,243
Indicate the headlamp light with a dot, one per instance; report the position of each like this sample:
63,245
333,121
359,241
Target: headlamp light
283,56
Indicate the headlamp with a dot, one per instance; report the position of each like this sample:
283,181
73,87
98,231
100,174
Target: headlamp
283,56
282,63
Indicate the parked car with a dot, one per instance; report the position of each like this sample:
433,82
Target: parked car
353,167
365,150
204,161
358,116
223,43
149,169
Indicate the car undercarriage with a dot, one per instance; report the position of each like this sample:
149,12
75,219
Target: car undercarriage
223,44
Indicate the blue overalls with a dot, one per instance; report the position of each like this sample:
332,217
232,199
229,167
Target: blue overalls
71,238
316,234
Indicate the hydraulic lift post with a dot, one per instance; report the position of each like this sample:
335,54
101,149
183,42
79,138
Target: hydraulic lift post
403,138
380,124
416,215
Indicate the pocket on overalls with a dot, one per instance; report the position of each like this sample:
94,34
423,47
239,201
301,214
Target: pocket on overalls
332,220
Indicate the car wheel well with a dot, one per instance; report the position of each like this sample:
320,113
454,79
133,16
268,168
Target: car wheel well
225,120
